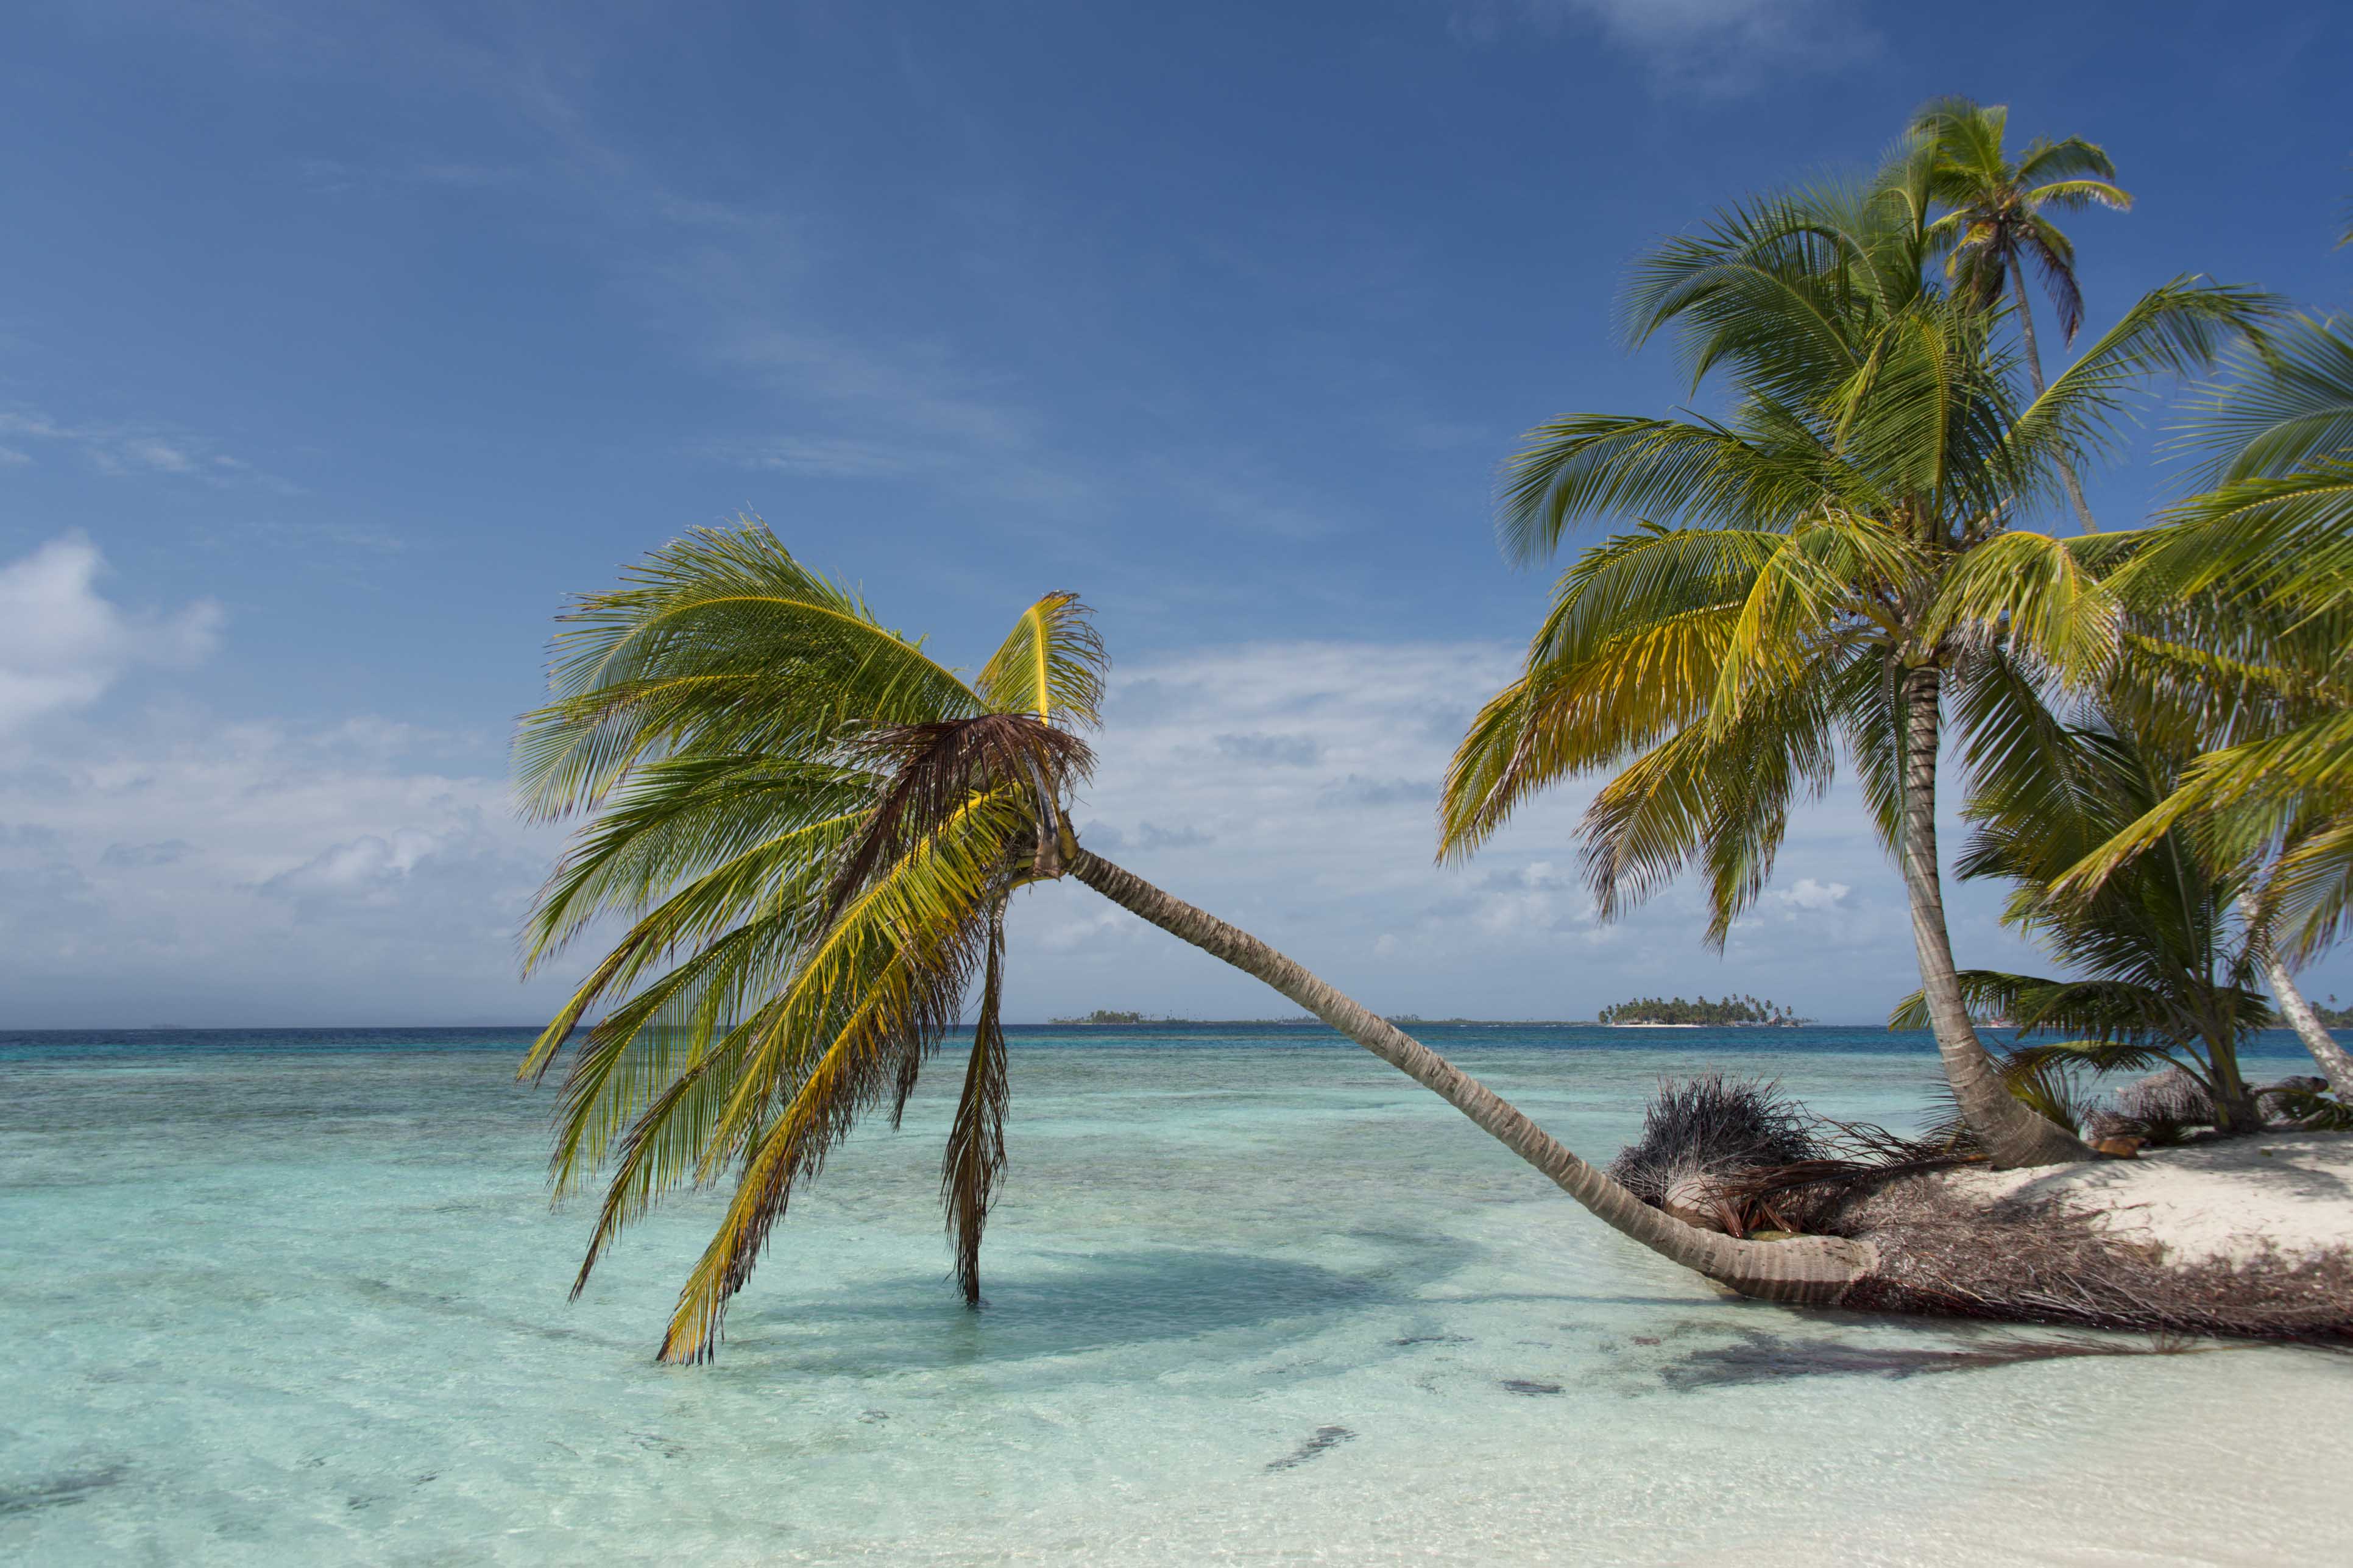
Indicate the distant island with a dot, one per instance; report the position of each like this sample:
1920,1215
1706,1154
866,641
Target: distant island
2333,1017
1733,1011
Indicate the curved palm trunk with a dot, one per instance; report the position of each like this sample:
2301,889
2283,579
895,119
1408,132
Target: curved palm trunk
2034,369
1805,1268
2334,1064
2013,1135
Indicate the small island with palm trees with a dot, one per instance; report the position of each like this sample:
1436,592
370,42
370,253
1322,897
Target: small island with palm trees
1731,1012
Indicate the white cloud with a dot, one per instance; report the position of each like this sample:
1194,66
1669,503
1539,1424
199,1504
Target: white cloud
62,644
1704,45
1302,780
178,870
1808,894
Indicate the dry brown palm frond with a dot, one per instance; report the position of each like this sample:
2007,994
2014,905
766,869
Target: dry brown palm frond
931,771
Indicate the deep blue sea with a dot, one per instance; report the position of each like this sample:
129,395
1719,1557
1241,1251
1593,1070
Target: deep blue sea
297,1296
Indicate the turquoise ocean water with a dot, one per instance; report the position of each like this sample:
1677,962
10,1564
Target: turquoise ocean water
298,1297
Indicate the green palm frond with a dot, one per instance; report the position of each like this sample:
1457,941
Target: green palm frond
721,641
1585,466
2289,402
2032,594
2178,329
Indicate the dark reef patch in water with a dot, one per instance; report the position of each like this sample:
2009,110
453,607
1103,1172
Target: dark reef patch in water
1325,1439
1528,1385
62,1490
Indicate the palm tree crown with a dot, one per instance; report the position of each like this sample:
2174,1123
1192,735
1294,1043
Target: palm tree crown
1996,225
1999,226
810,828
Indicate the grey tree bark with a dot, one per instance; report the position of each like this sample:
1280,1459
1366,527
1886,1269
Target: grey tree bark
2334,1064
1805,1268
2012,1134
2034,369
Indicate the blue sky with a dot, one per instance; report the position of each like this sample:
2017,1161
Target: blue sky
338,343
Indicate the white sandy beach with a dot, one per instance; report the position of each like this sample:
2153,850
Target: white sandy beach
2225,1199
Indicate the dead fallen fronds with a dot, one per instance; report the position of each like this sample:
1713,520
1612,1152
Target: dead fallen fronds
2046,1262
1700,1134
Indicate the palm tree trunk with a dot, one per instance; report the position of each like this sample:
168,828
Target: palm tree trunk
2013,1135
2034,369
1804,1269
2334,1064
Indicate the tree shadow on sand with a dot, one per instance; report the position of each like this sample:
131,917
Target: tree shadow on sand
1762,1357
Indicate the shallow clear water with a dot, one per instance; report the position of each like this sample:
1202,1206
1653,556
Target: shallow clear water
299,1299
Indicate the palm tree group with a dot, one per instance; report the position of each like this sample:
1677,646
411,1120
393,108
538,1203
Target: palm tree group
809,830
1840,566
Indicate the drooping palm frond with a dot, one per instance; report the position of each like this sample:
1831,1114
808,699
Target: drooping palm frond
974,1165
2174,332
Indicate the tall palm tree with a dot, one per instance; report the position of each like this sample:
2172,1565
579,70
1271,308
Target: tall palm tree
809,829
1834,565
2162,965
1997,225
2257,571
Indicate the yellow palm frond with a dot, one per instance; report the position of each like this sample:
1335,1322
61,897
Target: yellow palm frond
1051,664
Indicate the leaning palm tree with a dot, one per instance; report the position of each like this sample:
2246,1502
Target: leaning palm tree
1999,226
2162,966
1837,566
809,830
2256,572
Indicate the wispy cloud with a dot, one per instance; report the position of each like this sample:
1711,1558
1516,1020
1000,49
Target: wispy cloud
336,176
1706,46
124,449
